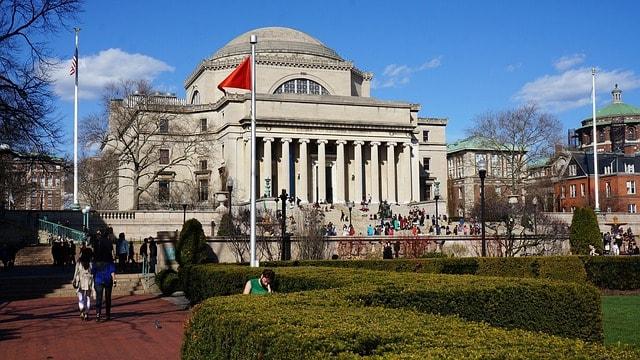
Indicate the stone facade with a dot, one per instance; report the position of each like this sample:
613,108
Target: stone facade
320,136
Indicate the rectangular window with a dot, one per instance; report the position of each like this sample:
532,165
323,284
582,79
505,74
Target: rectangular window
632,208
163,191
427,192
460,193
573,170
425,135
607,189
480,157
498,190
164,156
629,168
203,193
163,126
562,192
496,166
426,164
203,165
572,190
631,187
582,193
203,125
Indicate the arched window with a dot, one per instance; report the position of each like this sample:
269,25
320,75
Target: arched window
631,133
301,86
195,98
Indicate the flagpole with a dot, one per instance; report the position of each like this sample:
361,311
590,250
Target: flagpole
254,260
75,129
595,141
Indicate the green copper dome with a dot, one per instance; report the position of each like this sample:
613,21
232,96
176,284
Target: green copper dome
617,108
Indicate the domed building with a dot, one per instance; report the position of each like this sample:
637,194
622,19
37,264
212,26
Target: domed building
617,127
320,135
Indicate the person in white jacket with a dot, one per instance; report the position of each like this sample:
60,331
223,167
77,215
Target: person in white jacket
83,282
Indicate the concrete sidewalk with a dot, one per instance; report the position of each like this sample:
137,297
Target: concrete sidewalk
141,327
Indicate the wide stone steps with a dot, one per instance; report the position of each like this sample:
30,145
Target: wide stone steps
34,255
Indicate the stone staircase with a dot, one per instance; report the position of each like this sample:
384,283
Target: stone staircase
34,255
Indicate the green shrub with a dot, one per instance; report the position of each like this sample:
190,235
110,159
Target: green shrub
192,245
168,282
559,308
613,272
226,226
319,325
584,231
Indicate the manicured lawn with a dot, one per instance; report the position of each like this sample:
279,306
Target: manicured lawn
621,319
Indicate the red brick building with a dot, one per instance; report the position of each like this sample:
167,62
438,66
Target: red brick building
618,144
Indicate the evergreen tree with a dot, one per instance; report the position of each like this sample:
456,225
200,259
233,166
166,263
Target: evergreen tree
192,245
584,232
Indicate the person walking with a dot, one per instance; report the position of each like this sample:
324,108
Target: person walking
104,281
83,283
131,258
123,250
143,255
153,256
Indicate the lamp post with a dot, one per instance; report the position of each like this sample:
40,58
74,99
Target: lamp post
436,197
184,213
535,213
230,190
286,244
482,172
85,217
350,205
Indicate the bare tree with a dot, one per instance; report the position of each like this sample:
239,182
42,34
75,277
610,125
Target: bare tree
147,134
312,243
26,26
523,135
98,181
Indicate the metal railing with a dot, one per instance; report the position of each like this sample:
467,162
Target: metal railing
65,232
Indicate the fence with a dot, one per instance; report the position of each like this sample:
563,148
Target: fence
59,230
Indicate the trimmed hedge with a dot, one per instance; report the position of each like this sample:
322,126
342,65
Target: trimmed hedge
168,281
321,325
613,272
565,268
559,308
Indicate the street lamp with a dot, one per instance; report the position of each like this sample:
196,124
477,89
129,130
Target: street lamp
350,205
436,197
85,217
535,211
482,172
286,244
184,213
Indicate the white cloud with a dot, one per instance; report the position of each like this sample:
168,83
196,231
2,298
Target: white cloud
572,88
513,67
568,61
396,75
96,71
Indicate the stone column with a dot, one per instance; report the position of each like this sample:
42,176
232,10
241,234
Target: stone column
415,173
267,169
357,197
391,172
340,180
286,169
303,194
322,171
246,170
404,174
375,173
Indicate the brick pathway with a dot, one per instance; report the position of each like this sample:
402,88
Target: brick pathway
51,329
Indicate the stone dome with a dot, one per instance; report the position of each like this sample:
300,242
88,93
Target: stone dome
276,40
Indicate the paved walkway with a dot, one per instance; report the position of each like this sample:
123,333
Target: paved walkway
51,329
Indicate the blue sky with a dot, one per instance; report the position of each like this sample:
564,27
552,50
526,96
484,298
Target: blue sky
457,59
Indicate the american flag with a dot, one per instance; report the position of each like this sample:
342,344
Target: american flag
74,64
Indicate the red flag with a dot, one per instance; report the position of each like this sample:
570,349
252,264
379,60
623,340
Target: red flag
240,78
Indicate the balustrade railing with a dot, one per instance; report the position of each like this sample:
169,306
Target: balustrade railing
65,232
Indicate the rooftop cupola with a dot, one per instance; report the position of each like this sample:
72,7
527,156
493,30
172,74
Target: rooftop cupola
617,95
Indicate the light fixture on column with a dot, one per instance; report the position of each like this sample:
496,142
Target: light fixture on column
482,172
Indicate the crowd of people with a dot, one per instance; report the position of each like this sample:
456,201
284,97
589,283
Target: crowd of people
619,241
95,268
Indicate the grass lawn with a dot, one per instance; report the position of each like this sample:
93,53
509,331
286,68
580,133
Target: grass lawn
621,316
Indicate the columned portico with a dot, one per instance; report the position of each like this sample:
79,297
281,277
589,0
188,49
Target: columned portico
415,173
391,172
375,173
285,181
340,178
267,168
357,194
322,171
303,194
